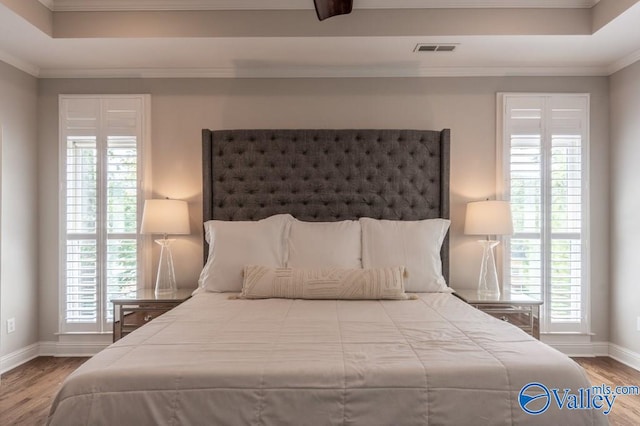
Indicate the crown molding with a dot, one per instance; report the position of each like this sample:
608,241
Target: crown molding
324,72
49,4
19,64
624,62
474,4
148,5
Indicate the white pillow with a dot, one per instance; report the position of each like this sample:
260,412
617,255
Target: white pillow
414,244
235,244
325,245
261,282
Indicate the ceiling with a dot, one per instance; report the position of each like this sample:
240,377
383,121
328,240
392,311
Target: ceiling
102,5
283,38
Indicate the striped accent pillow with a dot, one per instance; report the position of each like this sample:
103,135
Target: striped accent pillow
263,282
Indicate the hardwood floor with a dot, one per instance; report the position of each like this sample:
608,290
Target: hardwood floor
604,370
26,392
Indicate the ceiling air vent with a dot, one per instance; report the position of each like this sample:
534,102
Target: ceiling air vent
435,47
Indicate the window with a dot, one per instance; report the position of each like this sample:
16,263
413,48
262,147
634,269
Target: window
101,197
544,163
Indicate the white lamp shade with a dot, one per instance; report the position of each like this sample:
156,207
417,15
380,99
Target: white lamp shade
488,218
165,217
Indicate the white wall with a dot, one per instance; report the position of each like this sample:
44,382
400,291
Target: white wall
625,207
182,107
18,267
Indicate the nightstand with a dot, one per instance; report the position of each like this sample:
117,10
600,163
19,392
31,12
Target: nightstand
133,312
518,309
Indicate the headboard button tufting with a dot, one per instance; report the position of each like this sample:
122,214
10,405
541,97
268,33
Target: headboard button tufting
325,175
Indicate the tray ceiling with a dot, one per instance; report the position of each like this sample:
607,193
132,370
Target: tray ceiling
577,39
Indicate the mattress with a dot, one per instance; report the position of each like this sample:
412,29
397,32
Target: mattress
217,361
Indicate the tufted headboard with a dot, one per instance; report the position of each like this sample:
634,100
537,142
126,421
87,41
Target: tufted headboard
327,175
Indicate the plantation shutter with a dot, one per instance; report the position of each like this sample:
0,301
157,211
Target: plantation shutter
101,198
545,152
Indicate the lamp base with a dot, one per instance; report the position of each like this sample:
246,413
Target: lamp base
488,286
166,279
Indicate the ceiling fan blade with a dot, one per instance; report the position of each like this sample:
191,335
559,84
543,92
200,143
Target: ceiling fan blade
328,8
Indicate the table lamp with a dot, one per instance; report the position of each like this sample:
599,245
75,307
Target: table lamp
165,217
488,218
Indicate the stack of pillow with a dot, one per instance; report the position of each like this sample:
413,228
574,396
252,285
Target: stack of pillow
281,256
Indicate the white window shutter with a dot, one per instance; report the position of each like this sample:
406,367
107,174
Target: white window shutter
545,149
102,198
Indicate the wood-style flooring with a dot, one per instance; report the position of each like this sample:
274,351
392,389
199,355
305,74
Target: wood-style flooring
26,392
604,370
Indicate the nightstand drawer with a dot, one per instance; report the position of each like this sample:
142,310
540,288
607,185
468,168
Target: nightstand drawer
133,318
517,309
132,313
522,318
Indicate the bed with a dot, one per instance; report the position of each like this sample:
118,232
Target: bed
216,359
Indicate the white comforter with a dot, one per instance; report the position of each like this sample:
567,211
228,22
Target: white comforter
215,361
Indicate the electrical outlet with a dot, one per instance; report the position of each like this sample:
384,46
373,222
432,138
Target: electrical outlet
11,325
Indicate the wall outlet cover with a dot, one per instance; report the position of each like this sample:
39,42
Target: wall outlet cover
11,325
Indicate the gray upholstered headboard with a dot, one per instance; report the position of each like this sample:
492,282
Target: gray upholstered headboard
327,175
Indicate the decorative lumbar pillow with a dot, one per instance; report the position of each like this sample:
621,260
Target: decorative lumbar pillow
325,245
414,244
234,244
262,282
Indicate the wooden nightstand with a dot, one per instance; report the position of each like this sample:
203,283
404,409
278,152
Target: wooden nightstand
143,306
518,309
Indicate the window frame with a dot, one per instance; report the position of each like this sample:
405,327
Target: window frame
502,191
102,325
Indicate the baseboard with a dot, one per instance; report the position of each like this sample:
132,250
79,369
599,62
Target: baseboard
625,356
578,345
600,348
19,357
575,349
67,349
582,349
70,349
